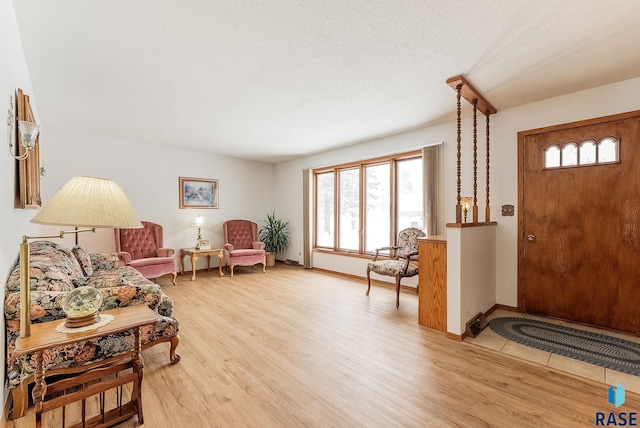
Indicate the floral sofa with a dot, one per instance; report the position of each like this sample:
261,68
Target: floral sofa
54,272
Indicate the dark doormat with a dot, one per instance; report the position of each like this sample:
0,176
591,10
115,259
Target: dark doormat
605,351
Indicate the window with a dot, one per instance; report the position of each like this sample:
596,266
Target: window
375,200
410,207
608,150
349,209
570,155
378,206
552,157
588,152
324,210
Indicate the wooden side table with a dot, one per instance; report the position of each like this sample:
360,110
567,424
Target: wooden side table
194,254
44,336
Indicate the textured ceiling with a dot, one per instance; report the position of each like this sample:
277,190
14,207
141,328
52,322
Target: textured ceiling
274,80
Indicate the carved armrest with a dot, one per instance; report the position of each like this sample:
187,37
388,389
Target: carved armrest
391,250
228,247
408,258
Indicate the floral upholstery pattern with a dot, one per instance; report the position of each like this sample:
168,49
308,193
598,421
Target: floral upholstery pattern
393,268
54,271
408,243
399,264
84,258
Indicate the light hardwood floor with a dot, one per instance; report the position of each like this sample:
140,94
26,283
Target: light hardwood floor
299,348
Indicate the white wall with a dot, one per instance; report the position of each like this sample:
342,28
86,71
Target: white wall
13,75
606,100
471,274
149,176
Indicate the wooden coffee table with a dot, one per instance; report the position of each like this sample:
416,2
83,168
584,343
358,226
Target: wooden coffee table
194,254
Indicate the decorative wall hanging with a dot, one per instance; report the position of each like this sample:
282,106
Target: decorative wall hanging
198,193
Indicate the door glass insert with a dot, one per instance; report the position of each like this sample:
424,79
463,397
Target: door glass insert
608,150
587,152
552,157
570,155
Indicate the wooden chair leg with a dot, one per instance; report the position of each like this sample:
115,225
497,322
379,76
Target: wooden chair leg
368,281
173,355
398,277
174,277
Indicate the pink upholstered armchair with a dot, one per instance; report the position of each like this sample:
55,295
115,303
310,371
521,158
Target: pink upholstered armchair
241,244
142,249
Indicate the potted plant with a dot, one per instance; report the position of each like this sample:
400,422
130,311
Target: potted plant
276,236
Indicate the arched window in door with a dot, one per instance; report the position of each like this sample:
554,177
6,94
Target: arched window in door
587,153
608,150
570,154
552,157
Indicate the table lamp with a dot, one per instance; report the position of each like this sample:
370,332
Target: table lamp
85,202
198,222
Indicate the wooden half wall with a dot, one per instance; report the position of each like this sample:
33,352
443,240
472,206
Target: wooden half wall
471,273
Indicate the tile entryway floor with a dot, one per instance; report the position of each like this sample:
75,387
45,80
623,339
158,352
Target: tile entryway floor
492,340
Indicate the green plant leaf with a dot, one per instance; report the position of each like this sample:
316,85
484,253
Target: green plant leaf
275,234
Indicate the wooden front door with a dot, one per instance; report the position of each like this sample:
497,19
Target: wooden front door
578,208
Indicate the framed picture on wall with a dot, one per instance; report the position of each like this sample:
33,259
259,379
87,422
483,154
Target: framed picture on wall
198,192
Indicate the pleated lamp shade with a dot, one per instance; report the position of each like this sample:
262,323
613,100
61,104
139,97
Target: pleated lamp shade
89,202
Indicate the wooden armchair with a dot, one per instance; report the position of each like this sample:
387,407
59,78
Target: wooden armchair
400,256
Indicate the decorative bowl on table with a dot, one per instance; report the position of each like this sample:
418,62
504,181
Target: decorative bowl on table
81,306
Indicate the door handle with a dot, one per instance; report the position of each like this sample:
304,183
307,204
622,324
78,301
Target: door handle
531,237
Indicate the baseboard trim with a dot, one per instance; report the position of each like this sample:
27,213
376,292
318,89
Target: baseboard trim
364,278
497,306
507,308
460,337
456,337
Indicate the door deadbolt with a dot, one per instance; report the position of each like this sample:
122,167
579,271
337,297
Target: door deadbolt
531,237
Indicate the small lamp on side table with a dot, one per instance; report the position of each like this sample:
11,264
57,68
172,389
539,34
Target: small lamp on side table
198,222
